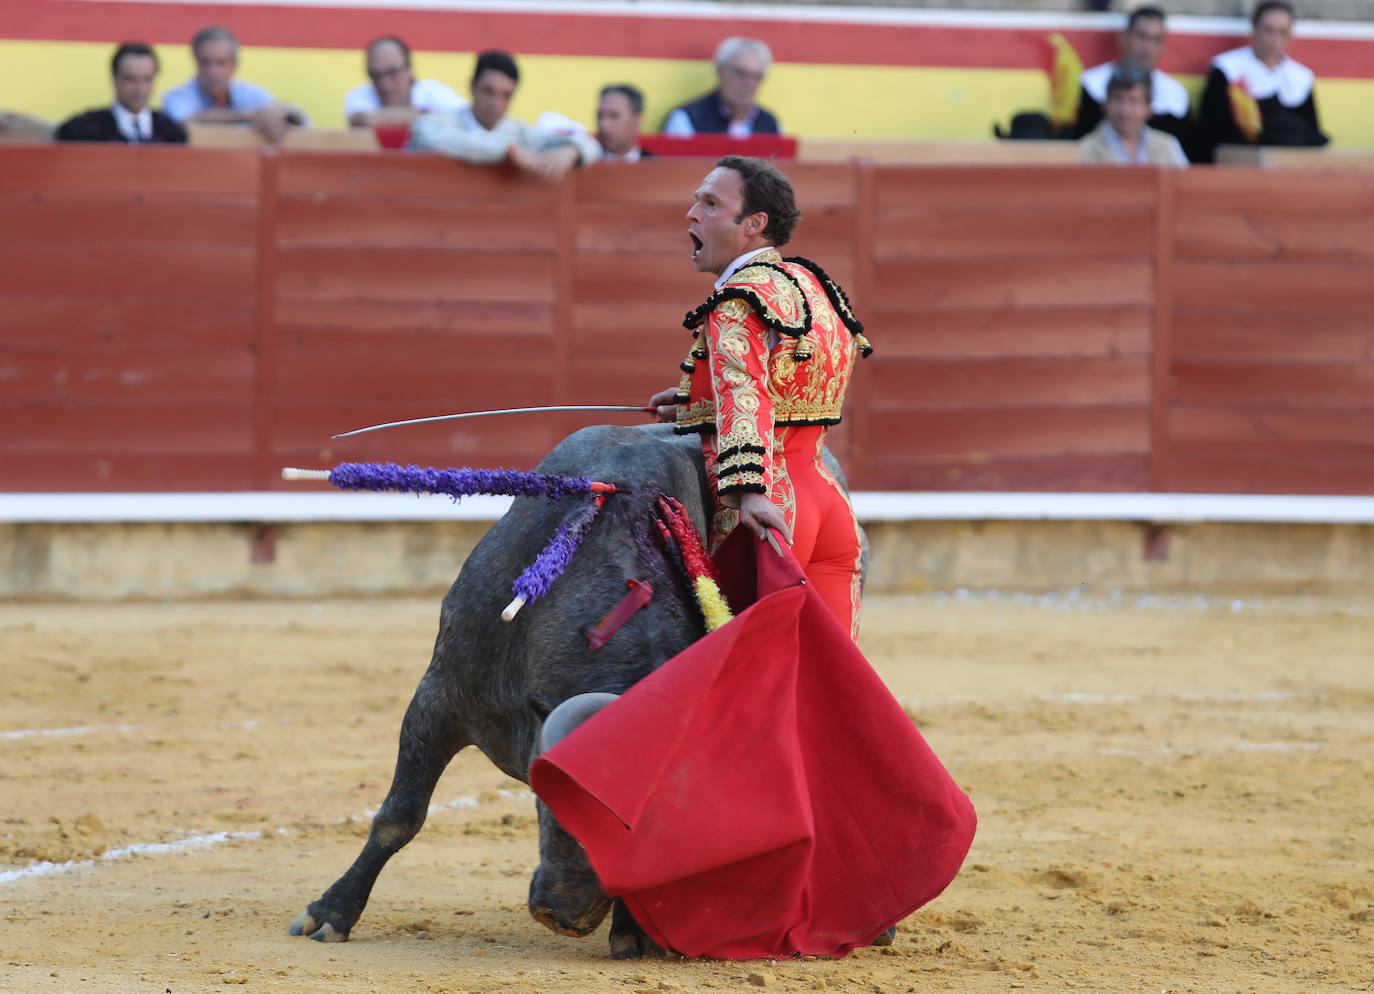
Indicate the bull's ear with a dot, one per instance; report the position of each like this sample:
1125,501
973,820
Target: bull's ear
568,715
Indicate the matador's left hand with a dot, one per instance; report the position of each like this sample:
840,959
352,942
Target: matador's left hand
758,514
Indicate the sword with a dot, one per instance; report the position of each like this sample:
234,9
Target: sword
510,410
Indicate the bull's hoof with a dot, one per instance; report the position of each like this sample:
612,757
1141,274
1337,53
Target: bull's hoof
556,923
629,940
305,924
886,938
635,945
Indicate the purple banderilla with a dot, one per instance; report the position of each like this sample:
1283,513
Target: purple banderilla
549,565
389,477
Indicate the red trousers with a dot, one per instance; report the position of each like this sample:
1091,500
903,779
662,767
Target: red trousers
825,533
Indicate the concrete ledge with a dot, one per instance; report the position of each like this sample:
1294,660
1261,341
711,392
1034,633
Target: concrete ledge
175,560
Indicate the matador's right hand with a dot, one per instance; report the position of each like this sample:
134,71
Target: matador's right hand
664,404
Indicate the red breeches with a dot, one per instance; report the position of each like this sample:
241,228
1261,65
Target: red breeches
825,534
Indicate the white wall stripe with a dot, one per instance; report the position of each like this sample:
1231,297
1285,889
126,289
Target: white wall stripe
1045,20
272,506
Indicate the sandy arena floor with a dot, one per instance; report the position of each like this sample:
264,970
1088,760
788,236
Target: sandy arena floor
1175,795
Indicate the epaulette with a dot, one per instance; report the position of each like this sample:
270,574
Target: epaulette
794,329
838,300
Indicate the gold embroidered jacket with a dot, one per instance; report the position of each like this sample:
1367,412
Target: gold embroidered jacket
774,347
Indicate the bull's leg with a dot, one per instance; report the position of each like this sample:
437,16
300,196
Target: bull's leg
430,736
628,939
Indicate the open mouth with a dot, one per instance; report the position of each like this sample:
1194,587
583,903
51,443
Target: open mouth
696,244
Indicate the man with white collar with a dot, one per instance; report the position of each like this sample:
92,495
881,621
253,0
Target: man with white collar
773,349
129,119
1142,43
619,114
1256,94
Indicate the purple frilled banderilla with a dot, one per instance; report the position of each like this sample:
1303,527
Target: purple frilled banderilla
550,564
389,477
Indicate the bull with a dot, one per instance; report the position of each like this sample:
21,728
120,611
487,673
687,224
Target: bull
495,685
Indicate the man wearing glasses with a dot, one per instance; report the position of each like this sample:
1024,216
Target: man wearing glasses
741,64
395,97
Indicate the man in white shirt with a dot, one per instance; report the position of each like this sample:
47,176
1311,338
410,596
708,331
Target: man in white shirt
1142,44
394,97
483,134
129,119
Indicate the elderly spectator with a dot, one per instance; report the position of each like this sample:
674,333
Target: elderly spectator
1142,43
1123,138
741,64
395,97
483,134
1256,93
619,114
214,96
129,119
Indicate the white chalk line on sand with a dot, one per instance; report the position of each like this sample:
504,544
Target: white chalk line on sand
75,731
209,840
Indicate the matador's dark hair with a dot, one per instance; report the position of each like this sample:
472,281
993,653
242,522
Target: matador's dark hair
768,191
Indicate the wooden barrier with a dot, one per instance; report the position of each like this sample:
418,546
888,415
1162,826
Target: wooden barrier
1275,157
176,319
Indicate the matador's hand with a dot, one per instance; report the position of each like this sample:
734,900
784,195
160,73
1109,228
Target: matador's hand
758,514
663,404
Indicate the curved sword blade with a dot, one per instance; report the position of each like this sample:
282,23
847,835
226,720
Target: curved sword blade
510,410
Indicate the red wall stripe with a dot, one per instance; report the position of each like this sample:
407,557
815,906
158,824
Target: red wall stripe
625,36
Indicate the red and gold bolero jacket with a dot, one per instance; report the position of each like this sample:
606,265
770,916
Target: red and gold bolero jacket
774,347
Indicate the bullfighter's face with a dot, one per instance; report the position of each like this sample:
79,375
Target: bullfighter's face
718,227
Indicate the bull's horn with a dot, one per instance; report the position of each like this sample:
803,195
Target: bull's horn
568,715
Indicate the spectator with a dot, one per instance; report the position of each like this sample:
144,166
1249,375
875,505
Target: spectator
129,118
214,96
1258,94
619,113
1123,138
1142,43
483,134
22,127
741,64
395,97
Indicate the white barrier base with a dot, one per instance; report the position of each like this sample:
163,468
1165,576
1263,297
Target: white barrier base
271,506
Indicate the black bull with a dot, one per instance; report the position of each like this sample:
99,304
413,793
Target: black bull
491,683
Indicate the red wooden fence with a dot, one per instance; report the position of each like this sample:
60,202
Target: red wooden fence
194,319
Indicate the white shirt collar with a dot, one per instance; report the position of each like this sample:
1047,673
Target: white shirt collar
135,127
734,267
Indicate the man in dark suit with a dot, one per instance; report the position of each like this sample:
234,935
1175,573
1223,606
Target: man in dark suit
129,119
741,64
619,113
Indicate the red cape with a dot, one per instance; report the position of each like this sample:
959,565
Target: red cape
762,794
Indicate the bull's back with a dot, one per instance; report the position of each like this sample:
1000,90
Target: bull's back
502,677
